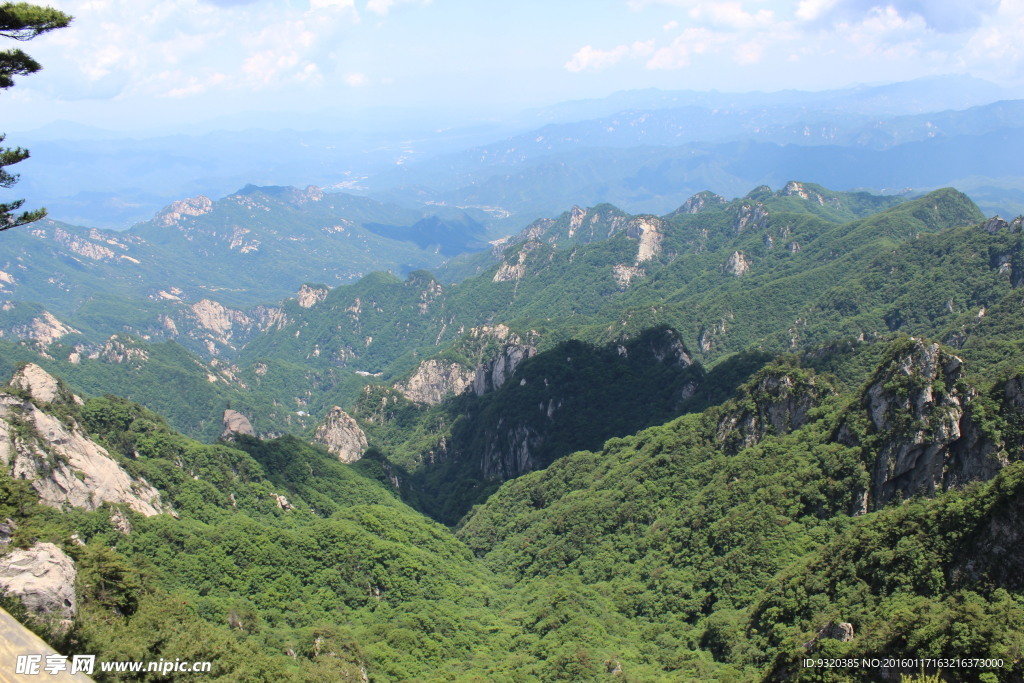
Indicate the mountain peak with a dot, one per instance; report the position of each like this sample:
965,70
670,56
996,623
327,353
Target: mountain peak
42,386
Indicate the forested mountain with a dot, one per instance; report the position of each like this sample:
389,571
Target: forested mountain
703,445
254,246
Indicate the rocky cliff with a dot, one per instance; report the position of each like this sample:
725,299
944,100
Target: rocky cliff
64,465
235,423
775,402
492,374
921,433
434,380
42,577
341,435
530,408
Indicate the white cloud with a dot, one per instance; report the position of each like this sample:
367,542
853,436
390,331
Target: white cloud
691,42
192,85
872,38
382,7
331,4
179,48
811,10
356,79
731,15
589,57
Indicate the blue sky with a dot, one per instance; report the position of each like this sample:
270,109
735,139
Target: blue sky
150,63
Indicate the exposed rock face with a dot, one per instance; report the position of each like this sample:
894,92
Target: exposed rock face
43,577
119,351
215,317
310,296
1009,263
737,265
492,374
923,431
282,502
995,553
516,268
194,206
699,202
625,274
777,403
44,328
42,386
668,347
434,380
833,630
795,189
510,453
750,216
647,230
341,435
236,423
82,247
709,335
64,466
214,324
996,223
576,216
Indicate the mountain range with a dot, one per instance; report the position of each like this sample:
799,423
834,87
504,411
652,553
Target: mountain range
313,434
641,150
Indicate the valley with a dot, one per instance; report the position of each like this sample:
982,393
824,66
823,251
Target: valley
662,386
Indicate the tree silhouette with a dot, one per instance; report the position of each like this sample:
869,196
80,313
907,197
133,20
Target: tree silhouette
21,21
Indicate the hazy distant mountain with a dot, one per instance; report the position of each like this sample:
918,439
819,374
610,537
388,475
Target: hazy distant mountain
653,160
921,95
103,179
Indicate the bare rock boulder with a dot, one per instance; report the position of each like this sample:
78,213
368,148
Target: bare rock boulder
236,423
43,577
341,435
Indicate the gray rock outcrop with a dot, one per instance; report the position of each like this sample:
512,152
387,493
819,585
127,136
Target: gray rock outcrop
777,403
63,464
510,452
923,434
236,423
434,380
737,264
750,216
41,385
699,202
341,435
308,297
42,577
491,375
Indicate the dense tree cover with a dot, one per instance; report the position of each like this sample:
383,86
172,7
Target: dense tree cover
568,398
681,540
718,543
821,270
808,259
679,553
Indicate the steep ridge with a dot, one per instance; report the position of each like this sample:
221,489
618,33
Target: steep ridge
684,551
783,270
65,466
525,409
677,537
201,270
335,539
